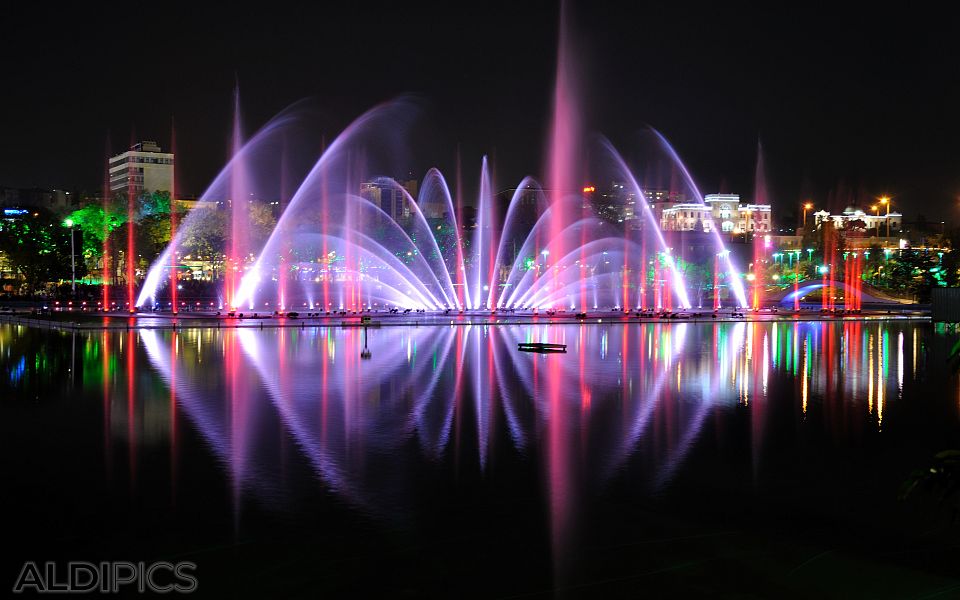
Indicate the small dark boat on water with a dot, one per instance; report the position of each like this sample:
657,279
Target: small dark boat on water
542,347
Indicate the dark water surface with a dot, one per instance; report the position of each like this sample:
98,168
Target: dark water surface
683,459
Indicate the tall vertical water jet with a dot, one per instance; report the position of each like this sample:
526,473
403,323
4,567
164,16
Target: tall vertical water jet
239,201
463,295
130,256
174,258
483,245
106,274
285,264
325,259
759,197
563,159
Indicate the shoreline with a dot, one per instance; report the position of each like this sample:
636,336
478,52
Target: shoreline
105,322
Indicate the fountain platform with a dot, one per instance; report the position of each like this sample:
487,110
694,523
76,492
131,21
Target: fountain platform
80,320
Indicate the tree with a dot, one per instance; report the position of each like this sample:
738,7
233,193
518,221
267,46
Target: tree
873,260
37,247
910,273
152,235
262,222
697,277
951,267
97,224
205,237
857,225
151,204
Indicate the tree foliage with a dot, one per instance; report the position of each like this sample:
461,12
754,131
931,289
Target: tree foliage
38,247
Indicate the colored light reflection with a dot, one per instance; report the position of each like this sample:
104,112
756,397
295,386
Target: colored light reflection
464,394
366,402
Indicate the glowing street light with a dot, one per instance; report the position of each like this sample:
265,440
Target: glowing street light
885,200
807,206
73,263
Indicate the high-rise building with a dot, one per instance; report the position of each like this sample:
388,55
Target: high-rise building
389,195
144,167
661,200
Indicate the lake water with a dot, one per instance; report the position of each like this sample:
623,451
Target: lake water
755,459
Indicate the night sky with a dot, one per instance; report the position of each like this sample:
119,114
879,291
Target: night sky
859,100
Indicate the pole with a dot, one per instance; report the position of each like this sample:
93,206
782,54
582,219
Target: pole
73,266
888,218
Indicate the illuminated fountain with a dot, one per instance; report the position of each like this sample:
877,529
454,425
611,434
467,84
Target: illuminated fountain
352,239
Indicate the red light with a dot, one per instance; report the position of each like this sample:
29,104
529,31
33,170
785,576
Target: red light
589,189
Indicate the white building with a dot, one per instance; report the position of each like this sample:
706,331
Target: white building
753,218
720,211
687,217
143,167
875,224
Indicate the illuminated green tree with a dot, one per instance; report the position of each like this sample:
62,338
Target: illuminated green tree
37,247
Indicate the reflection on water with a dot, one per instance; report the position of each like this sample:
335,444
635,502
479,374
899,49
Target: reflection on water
641,393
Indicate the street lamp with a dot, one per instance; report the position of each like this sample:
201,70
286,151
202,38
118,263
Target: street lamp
807,206
73,264
885,200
